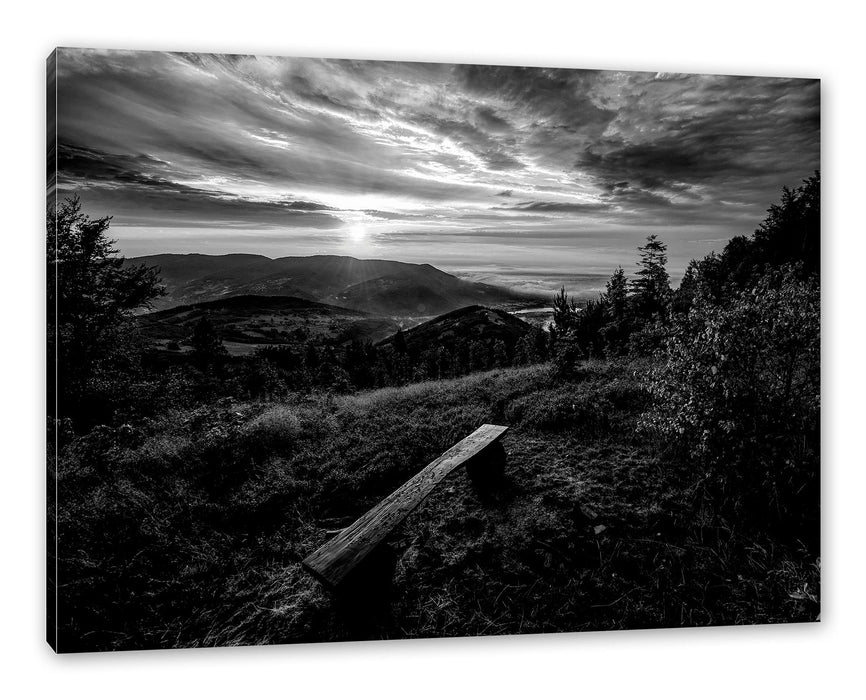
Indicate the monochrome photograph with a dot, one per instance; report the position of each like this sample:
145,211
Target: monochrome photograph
355,350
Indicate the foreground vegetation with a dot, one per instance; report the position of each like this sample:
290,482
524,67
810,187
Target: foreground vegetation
188,531
663,462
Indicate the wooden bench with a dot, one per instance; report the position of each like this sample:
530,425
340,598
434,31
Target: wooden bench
336,559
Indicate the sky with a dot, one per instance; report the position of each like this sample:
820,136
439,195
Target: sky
522,176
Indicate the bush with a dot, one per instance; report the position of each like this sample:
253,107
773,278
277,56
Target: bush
740,392
567,355
277,427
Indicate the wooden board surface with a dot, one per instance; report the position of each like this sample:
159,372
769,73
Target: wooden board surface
334,560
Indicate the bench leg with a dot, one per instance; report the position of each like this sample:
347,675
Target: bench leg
373,577
363,600
487,468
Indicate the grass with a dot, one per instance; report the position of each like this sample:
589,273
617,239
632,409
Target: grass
189,530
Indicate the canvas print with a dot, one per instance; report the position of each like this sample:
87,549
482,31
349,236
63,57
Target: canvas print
359,350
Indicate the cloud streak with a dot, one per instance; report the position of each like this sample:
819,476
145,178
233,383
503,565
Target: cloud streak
306,150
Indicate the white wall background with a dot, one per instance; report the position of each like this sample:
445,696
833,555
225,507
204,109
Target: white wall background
769,38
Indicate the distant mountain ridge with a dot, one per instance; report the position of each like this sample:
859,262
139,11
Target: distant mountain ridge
383,287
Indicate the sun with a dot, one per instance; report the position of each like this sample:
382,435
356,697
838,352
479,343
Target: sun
357,233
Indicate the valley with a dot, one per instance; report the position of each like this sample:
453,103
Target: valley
253,301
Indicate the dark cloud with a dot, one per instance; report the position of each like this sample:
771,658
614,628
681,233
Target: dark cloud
557,207
131,186
487,118
558,96
727,135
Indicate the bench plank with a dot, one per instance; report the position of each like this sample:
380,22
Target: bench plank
334,560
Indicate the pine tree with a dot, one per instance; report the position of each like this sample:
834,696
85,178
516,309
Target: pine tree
618,327
564,312
650,292
616,293
587,335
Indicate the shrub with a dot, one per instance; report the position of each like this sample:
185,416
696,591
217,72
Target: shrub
278,426
740,392
567,354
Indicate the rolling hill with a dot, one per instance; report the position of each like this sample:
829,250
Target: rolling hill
383,287
466,324
246,322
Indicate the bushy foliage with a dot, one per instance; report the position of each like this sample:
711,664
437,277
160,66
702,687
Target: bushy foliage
738,389
567,355
207,346
93,351
190,530
791,232
788,235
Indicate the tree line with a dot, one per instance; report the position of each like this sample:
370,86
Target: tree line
635,317
357,365
732,360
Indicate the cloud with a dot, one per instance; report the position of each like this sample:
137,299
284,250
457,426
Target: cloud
557,207
129,185
722,135
314,146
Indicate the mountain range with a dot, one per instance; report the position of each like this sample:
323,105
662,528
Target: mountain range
381,287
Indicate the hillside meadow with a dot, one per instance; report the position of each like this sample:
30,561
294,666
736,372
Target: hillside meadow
188,529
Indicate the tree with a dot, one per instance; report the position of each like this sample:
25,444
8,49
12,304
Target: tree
478,356
524,350
650,292
564,312
400,343
258,377
92,293
207,346
791,232
541,342
443,362
552,338
500,354
618,327
358,364
428,367
587,333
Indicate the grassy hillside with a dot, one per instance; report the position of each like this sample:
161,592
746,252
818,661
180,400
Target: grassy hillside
189,530
464,325
247,322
